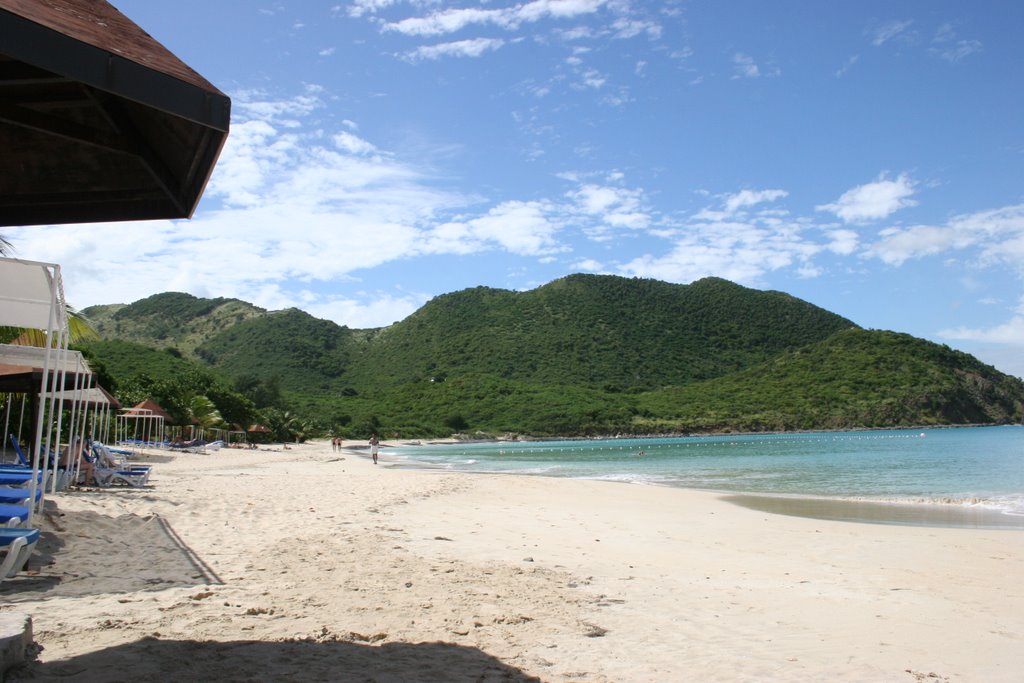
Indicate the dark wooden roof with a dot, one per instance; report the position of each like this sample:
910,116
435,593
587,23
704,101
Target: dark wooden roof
98,121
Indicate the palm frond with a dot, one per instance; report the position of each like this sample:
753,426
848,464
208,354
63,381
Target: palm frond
79,329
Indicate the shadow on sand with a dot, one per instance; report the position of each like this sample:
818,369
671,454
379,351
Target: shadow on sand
300,660
87,553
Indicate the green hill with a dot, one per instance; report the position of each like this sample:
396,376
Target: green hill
171,319
594,330
584,354
856,378
305,353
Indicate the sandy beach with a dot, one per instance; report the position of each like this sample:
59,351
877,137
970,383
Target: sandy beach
310,565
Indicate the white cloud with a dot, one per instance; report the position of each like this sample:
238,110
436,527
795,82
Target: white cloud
595,198
733,203
847,65
591,78
873,201
588,266
999,233
378,309
1010,332
453,20
745,198
459,48
739,251
843,242
353,144
519,227
947,46
957,51
448,21
889,30
629,28
359,8
744,66
614,207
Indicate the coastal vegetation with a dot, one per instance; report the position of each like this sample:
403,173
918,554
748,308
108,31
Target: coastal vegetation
583,355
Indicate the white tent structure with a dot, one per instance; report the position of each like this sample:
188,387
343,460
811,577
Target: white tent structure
141,425
32,296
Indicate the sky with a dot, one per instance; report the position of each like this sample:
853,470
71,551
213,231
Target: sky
863,156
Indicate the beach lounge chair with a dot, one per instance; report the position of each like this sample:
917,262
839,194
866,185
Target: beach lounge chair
13,515
63,476
107,470
22,460
15,495
10,477
104,477
17,545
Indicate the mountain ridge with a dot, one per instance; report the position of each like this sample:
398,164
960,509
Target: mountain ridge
581,354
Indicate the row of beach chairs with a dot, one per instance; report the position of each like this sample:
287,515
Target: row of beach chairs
17,540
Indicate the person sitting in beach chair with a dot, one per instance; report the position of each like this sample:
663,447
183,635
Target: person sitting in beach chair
75,455
104,470
103,458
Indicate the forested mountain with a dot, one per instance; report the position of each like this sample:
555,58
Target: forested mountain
171,319
595,330
582,354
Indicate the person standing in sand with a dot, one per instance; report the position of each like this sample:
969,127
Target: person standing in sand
374,446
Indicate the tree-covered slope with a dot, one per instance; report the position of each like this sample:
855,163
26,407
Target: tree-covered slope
304,353
596,330
171,319
856,378
124,359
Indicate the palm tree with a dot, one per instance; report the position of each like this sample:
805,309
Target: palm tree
203,412
79,330
284,424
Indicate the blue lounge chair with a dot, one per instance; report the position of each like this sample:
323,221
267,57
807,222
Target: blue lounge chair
13,515
26,463
10,478
17,449
17,495
17,544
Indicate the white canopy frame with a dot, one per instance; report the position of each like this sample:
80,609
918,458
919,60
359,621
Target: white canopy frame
32,296
151,424
70,371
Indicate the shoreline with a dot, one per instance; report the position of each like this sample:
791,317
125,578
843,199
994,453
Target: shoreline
865,511
526,438
968,513
309,564
921,513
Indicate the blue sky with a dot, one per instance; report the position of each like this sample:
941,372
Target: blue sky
864,156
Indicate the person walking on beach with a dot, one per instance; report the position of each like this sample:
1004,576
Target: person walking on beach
374,446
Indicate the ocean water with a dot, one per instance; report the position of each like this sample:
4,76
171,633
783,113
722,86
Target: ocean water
977,467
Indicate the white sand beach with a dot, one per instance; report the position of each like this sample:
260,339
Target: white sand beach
310,565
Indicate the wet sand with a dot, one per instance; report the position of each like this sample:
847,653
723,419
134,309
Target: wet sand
872,512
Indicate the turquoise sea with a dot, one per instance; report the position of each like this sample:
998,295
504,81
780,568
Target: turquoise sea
978,467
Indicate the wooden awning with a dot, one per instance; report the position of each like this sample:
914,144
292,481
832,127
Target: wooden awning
98,121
